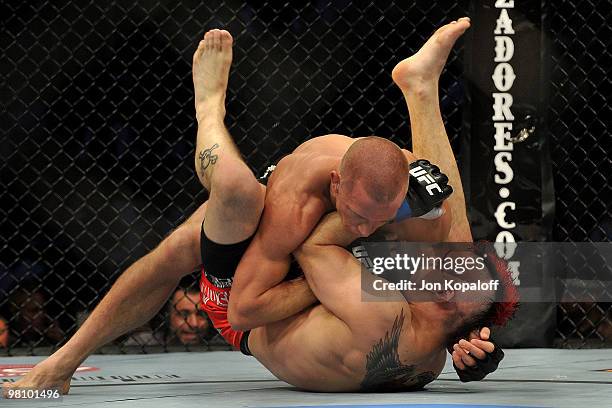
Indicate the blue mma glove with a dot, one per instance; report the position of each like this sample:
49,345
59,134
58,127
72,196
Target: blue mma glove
427,189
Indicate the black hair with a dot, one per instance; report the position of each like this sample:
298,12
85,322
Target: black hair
475,322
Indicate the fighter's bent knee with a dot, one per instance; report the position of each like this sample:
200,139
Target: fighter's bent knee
234,185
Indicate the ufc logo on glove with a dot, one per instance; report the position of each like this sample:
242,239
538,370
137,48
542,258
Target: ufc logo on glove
425,178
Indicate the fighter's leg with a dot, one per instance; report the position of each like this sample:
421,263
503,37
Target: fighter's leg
211,65
417,77
236,198
138,294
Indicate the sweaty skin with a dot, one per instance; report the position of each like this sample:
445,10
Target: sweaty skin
344,344
325,347
298,195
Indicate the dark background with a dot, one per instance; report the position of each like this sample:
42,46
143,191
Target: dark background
98,127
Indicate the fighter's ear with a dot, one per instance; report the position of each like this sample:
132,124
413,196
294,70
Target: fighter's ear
335,180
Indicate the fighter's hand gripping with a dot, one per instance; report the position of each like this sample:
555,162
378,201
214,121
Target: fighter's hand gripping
427,189
475,359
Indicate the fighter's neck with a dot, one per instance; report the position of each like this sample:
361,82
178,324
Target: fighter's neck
429,320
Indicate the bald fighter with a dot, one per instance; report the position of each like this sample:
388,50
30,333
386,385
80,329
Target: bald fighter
365,179
144,287
331,343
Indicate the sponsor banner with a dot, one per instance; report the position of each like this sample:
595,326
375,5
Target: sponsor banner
467,272
507,169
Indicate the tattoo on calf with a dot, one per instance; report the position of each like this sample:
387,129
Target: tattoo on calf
207,158
384,370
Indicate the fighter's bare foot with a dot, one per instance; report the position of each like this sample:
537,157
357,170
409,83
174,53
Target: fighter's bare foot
211,65
427,64
47,375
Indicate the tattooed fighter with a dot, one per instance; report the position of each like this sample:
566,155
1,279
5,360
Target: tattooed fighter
342,344
329,347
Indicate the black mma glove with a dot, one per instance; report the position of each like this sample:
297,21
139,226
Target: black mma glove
482,367
427,189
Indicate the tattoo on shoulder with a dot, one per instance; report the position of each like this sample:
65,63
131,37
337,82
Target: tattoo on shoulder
207,157
385,371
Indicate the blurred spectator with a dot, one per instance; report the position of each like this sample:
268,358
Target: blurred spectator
4,333
188,324
31,324
185,324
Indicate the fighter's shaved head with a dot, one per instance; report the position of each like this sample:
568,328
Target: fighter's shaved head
378,165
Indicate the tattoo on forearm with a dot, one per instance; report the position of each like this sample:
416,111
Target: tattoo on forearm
207,157
385,371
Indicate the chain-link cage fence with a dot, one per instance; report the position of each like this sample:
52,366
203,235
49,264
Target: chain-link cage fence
581,145
98,133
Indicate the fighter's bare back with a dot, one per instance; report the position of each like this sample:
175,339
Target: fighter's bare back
315,349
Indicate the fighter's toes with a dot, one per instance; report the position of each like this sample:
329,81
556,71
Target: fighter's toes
226,38
452,31
211,65
207,41
216,40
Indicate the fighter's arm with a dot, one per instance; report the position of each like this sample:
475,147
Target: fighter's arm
435,146
331,271
137,295
259,293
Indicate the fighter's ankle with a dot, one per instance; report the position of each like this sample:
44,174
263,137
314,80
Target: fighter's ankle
207,112
421,89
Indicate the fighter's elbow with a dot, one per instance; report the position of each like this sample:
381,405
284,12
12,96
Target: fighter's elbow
305,249
239,323
298,253
242,316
